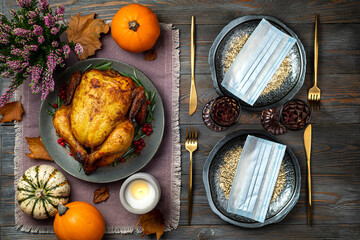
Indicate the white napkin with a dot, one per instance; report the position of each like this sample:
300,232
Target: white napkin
257,62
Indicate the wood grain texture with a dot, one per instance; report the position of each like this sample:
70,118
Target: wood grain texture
336,128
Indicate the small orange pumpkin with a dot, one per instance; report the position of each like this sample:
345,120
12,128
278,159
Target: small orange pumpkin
79,221
135,28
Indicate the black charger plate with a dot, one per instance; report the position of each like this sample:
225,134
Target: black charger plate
278,209
297,59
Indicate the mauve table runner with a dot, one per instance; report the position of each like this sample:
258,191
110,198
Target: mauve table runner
165,166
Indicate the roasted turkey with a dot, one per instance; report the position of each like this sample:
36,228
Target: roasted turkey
98,116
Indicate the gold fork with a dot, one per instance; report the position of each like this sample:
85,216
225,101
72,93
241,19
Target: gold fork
314,92
190,145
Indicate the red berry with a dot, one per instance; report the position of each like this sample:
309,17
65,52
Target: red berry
136,143
55,105
62,144
148,133
144,129
145,125
59,141
70,154
143,144
122,159
139,147
148,102
137,151
141,140
149,125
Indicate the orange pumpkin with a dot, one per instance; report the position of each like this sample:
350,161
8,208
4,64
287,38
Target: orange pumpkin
78,221
135,28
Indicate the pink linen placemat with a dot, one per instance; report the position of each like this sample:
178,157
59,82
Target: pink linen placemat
165,166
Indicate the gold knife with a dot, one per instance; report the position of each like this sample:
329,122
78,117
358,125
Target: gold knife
307,145
193,95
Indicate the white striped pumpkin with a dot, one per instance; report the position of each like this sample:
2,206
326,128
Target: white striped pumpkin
40,190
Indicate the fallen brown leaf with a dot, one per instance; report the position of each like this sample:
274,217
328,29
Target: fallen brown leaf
86,30
101,195
152,222
150,55
11,111
37,149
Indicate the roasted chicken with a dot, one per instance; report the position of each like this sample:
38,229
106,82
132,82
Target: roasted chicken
98,116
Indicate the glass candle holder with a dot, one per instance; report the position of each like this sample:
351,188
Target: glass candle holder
140,193
221,113
295,114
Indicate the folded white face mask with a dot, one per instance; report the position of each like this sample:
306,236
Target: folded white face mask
257,62
255,178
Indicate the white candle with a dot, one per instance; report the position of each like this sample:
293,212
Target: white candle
140,193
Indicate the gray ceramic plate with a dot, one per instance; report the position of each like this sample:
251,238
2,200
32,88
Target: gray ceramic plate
278,209
247,24
108,173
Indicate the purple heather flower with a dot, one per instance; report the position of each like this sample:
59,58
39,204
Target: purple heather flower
23,3
32,14
49,20
79,49
54,30
41,39
66,50
6,74
60,10
44,4
7,95
55,44
59,17
16,51
37,30
35,74
33,48
13,12
4,38
22,32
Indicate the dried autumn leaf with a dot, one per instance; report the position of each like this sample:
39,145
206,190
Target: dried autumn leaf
101,195
37,149
86,30
11,111
152,222
150,55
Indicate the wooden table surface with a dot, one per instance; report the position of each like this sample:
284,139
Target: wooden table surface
336,128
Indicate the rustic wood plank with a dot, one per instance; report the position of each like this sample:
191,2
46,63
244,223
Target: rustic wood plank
216,12
339,46
340,99
223,232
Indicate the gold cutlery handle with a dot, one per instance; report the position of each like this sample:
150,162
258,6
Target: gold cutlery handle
316,49
193,95
190,190
309,181
307,145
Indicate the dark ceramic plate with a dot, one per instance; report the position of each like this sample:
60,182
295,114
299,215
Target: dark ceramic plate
278,209
247,24
108,173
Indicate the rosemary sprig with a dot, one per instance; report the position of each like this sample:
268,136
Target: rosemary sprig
101,66
59,103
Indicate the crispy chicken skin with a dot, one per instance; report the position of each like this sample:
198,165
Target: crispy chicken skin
99,117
